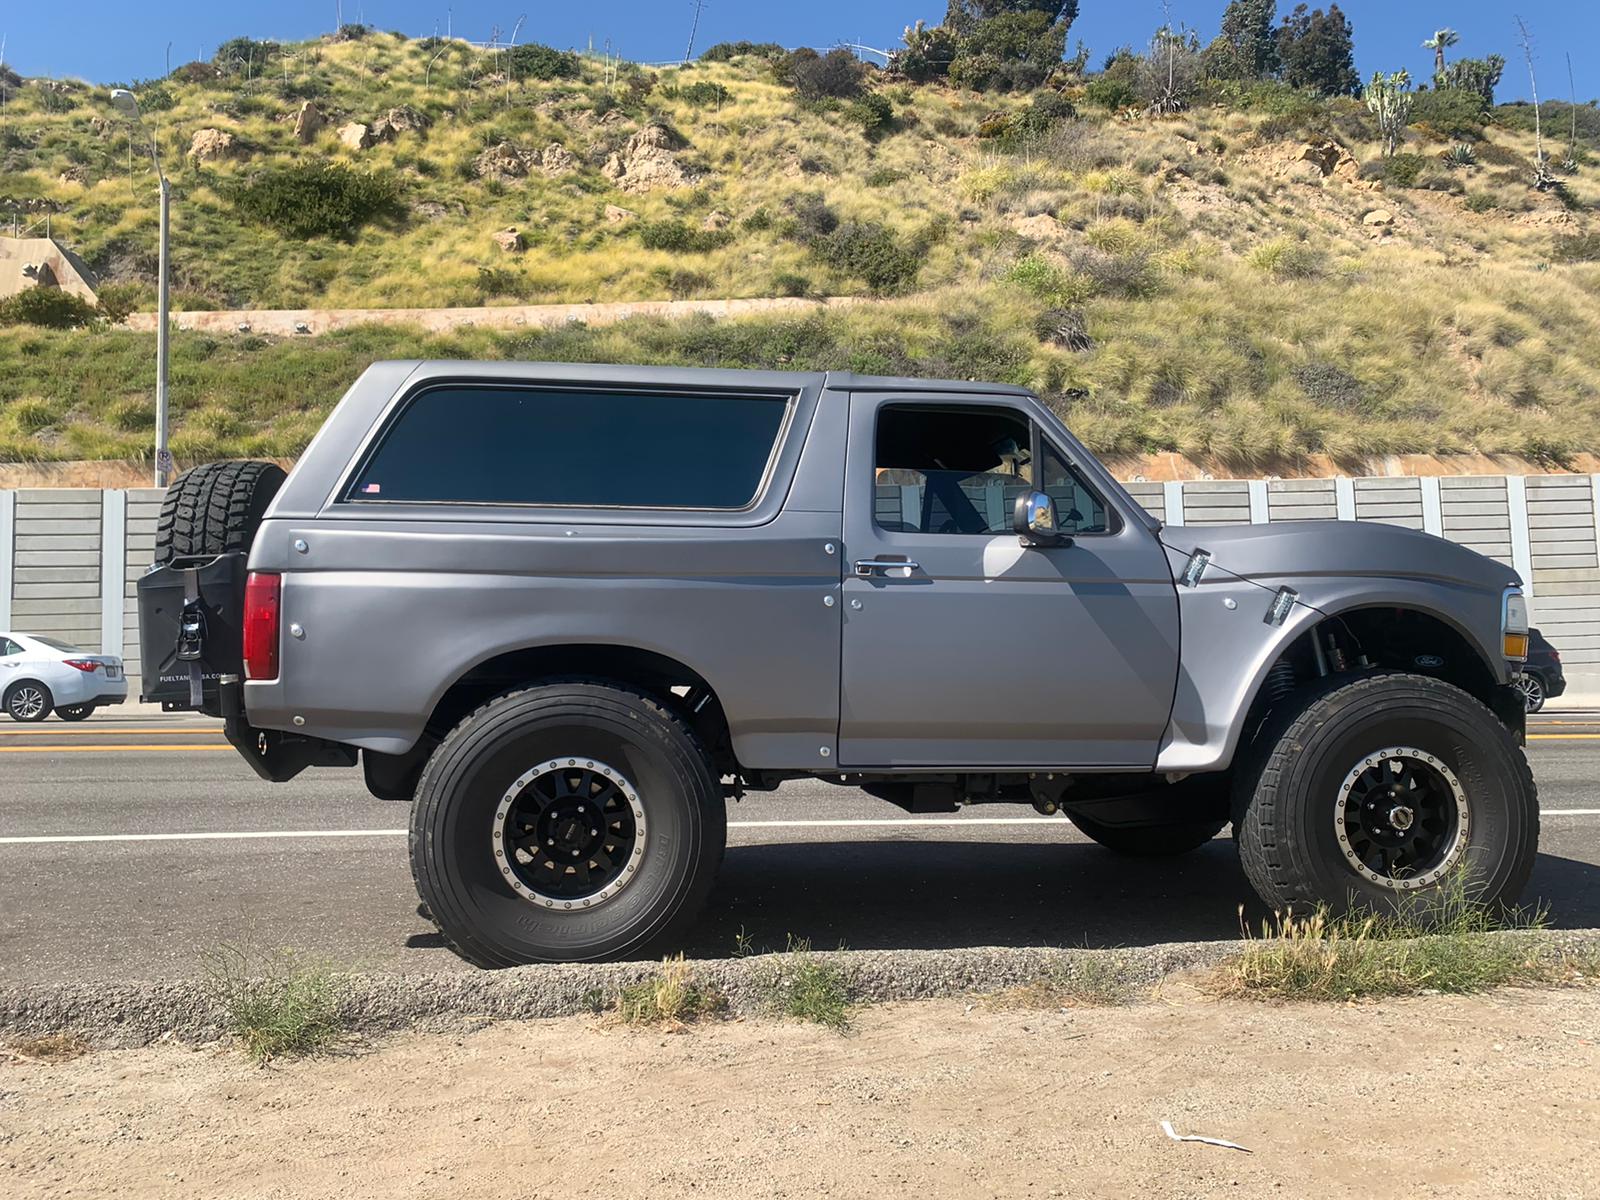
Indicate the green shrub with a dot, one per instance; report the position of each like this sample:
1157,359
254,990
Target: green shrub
1401,170
1111,93
727,51
813,218
1010,51
55,102
316,199
872,252
881,177
500,281
791,283
1480,202
1453,113
244,55
872,112
533,61
681,238
1460,155
679,283
704,94
1023,125
838,74
1330,386
47,307
758,221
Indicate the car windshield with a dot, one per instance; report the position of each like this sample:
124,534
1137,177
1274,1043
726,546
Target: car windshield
55,644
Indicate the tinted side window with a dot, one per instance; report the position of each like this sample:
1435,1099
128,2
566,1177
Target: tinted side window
8,648
511,445
1078,508
950,470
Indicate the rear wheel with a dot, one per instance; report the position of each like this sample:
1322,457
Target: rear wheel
215,509
28,700
1385,788
568,822
75,712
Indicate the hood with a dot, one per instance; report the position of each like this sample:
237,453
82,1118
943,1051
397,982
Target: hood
1295,553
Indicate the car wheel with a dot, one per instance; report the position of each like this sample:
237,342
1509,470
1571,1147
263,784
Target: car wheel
75,712
1150,841
28,700
1386,788
215,509
568,822
1532,689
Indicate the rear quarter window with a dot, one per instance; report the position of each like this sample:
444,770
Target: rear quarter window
471,444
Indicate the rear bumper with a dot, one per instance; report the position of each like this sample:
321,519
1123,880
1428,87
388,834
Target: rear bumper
89,689
274,755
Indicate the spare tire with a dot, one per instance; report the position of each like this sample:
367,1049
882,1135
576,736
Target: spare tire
215,509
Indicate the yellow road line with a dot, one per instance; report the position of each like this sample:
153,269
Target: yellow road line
102,749
1564,737
174,731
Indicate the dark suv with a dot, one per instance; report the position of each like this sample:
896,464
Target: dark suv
1541,677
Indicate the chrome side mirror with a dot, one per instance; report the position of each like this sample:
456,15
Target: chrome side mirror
1034,521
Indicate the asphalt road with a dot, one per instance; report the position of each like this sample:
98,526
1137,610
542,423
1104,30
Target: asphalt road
131,846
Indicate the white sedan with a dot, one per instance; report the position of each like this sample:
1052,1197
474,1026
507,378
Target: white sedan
39,675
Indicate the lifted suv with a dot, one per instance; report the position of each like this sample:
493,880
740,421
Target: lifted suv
567,611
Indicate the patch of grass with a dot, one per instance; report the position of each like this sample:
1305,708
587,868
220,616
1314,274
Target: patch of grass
802,986
1444,943
680,238
50,1047
278,1004
1095,979
1285,259
671,997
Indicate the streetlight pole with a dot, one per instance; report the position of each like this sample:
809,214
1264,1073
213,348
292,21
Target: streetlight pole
163,455
124,102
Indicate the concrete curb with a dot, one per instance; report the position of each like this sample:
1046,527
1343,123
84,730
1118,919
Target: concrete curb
135,1014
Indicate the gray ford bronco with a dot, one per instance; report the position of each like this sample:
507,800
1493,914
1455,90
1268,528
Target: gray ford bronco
567,612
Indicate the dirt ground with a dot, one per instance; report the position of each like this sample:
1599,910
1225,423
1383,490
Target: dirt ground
1439,1096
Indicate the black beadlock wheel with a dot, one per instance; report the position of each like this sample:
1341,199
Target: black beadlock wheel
215,509
568,822
1386,788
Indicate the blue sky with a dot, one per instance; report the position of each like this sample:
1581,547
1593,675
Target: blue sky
104,40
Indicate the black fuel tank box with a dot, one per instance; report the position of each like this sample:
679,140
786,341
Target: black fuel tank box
191,631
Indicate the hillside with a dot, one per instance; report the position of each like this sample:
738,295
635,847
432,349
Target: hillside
1248,281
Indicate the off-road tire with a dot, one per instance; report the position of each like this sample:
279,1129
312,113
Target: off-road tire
215,509
453,860
17,687
76,712
1290,785
1150,841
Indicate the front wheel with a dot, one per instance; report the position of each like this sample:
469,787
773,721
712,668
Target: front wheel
76,712
1388,787
1532,689
568,822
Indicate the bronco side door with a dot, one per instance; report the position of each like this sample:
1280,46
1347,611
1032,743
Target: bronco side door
964,648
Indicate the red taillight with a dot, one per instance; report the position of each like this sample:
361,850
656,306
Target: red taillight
262,592
82,664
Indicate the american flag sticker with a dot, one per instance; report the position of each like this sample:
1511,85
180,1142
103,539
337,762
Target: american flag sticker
371,489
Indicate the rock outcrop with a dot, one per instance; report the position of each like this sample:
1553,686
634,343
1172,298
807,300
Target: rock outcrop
649,161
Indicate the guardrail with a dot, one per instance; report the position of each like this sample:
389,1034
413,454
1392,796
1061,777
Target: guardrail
70,557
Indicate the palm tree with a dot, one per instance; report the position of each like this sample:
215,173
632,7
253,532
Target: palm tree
1441,39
